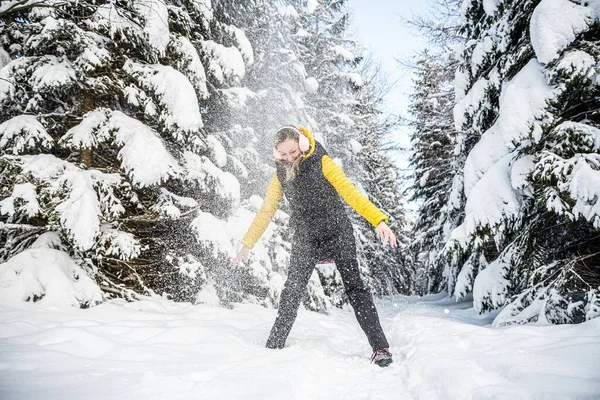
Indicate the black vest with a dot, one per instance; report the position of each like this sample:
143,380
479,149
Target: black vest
316,208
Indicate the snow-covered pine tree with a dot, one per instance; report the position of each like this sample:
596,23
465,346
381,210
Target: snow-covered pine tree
387,271
333,59
104,152
527,101
433,143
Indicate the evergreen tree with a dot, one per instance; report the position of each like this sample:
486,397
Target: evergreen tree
104,147
527,118
388,271
433,146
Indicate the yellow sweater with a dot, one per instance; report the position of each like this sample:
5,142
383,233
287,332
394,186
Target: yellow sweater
338,179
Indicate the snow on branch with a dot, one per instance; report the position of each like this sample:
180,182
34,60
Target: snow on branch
554,25
180,111
23,133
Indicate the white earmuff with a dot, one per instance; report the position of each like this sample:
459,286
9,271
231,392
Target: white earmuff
303,142
277,154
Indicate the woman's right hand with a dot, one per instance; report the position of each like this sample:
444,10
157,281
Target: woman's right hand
241,256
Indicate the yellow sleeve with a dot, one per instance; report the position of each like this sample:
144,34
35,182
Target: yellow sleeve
266,212
351,195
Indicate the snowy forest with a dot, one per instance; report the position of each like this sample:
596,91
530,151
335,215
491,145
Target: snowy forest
136,147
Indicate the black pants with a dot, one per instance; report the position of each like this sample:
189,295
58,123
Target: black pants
305,254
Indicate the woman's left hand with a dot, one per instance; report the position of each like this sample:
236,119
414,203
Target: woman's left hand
385,233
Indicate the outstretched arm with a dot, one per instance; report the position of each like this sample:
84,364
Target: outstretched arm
360,203
350,193
266,212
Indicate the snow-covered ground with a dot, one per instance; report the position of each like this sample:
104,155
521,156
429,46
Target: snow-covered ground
156,349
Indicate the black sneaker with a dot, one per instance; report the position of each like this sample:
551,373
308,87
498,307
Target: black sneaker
382,357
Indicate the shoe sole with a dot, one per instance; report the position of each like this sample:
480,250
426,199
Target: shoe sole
384,363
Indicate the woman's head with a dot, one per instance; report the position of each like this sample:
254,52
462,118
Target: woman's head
288,146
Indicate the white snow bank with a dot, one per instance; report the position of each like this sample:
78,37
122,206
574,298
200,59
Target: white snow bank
155,349
48,277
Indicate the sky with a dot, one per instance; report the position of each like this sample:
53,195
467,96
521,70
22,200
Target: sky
382,32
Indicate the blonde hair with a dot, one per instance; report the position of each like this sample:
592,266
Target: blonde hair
284,133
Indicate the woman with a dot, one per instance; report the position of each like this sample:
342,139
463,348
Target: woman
313,184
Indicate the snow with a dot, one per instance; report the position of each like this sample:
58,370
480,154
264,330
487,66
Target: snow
225,62
73,191
520,172
355,146
311,85
343,52
53,74
169,203
204,7
490,6
7,81
27,193
577,62
464,8
48,240
80,212
175,92
47,277
193,67
210,231
481,50
554,25
491,285
92,58
156,349
461,84
243,44
114,242
288,11
219,154
469,102
203,171
584,188
156,14
355,79
88,133
143,155
522,104
23,133
492,200
115,21
4,57
312,5
237,97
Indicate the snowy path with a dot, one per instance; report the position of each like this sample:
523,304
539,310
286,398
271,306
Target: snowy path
161,350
